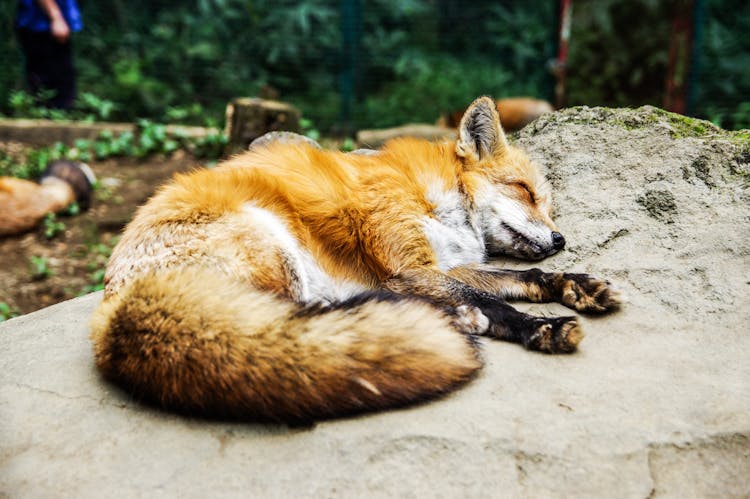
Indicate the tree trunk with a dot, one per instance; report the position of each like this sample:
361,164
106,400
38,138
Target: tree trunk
249,118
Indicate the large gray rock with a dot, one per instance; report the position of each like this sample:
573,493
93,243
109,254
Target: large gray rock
655,403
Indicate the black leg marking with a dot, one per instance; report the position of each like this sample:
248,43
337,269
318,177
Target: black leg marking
578,291
552,335
542,334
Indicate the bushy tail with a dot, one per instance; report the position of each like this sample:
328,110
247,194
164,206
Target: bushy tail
190,341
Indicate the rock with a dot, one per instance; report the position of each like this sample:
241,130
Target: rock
248,118
655,404
285,137
295,138
375,138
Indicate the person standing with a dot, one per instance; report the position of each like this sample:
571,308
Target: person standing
44,30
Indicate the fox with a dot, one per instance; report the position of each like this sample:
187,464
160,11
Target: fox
23,203
292,284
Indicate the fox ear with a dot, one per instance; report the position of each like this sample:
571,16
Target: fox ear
480,134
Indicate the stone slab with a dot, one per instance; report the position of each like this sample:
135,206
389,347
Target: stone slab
655,404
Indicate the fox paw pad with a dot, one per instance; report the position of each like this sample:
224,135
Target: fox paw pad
559,335
471,320
588,294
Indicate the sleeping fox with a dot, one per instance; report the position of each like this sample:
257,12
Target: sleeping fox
293,284
23,204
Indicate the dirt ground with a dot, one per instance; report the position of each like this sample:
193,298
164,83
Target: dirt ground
37,271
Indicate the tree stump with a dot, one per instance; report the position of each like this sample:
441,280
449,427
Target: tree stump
249,118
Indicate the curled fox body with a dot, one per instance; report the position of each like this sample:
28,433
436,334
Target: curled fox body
294,284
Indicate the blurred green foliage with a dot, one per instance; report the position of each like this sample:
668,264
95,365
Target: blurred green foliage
419,73
149,138
7,312
52,227
722,92
88,107
40,269
182,61
618,52
172,61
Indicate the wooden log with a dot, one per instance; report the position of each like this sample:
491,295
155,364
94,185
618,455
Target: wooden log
376,138
248,118
46,132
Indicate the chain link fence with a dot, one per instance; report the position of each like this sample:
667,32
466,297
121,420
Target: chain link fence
351,64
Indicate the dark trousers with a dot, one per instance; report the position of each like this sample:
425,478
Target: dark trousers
49,66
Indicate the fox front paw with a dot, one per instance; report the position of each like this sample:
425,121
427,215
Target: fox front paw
588,294
470,320
556,335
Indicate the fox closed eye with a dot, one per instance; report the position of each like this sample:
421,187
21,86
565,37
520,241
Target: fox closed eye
525,190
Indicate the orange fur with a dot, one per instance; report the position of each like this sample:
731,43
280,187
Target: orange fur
23,203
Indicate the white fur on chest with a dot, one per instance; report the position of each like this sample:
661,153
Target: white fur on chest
311,284
452,233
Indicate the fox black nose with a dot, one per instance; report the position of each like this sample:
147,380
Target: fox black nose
558,241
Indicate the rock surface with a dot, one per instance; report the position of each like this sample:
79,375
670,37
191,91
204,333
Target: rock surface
655,404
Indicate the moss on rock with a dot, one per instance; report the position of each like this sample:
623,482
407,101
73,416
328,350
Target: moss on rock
679,126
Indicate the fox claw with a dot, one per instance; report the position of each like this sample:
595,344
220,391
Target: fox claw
557,335
588,294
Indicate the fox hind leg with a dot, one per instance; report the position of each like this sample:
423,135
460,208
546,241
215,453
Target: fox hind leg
542,334
476,307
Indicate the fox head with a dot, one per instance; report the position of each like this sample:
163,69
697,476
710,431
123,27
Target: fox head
512,201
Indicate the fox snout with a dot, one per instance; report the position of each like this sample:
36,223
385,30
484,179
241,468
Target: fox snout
540,251
529,241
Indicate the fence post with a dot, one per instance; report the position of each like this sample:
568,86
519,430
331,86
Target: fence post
351,21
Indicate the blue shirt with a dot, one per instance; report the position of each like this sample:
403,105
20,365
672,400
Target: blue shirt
31,16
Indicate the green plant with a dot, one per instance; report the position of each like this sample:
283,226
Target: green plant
7,165
31,106
40,268
348,145
103,192
210,146
97,282
32,164
308,129
94,107
97,268
72,210
88,107
52,226
150,138
192,113
7,312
